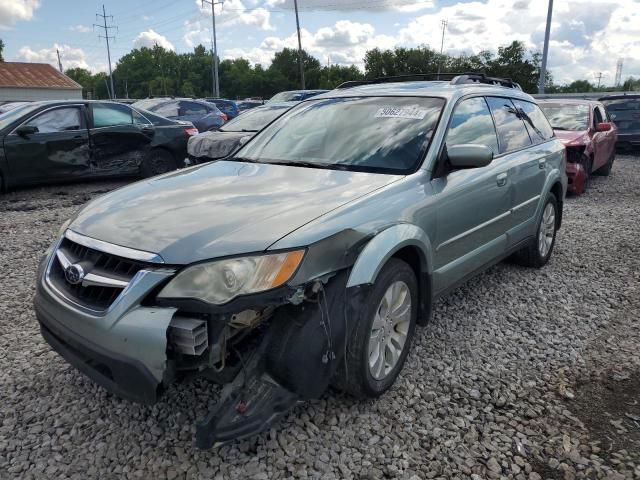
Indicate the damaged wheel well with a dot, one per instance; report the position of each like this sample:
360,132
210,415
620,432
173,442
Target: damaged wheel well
413,257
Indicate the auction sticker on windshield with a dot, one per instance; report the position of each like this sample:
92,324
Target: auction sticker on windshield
413,112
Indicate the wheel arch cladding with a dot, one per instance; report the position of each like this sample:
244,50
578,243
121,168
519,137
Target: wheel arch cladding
406,242
556,189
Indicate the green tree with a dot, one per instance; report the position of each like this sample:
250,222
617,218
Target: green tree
284,68
1,49
82,76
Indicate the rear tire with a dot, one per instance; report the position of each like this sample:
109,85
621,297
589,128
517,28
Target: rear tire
157,162
382,338
539,250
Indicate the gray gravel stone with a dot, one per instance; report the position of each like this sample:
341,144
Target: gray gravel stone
485,379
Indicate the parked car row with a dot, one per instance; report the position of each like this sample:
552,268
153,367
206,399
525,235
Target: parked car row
307,256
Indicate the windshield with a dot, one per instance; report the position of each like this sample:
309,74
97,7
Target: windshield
11,116
566,117
255,119
371,134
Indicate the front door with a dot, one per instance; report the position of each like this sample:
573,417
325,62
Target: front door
118,145
59,148
473,205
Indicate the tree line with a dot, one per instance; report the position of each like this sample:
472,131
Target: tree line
145,72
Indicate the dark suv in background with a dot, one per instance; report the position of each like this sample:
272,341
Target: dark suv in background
625,113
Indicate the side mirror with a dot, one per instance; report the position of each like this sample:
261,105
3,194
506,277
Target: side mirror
603,127
469,156
26,130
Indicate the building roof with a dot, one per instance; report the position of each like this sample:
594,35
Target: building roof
34,75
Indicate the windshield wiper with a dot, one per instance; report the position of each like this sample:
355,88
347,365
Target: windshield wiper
243,160
561,128
302,163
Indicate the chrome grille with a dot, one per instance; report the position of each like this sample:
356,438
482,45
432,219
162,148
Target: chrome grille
105,275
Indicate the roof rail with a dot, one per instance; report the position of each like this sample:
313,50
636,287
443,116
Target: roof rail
453,78
467,78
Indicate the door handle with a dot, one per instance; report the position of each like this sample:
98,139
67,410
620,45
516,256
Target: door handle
542,163
501,179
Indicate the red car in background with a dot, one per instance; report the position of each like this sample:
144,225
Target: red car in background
585,128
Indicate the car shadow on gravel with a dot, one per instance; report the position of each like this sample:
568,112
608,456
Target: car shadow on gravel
609,407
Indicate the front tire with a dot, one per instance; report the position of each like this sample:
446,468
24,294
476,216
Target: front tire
539,250
382,338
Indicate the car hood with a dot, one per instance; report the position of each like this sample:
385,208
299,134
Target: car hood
571,136
219,209
215,145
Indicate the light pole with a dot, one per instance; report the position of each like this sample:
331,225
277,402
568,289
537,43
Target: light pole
300,65
545,50
216,82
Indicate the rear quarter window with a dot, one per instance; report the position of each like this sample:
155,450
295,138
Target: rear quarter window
512,133
535,121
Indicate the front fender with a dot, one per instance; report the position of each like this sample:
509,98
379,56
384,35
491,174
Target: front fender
382,247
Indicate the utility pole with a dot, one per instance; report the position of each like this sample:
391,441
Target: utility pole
599,77
300,65
545,50
59,62
444,24
106,36
216,81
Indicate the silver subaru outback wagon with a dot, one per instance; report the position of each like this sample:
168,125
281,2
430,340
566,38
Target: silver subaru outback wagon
308,258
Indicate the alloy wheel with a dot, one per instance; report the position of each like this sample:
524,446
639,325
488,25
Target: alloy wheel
547,230
389,330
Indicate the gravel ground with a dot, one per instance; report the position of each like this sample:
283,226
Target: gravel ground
522,374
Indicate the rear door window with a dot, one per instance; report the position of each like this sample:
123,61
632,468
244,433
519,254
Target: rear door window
471,122
535,121
58,120
110,115
512,133
193,108
167,109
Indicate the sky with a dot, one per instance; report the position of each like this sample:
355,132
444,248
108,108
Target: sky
587,37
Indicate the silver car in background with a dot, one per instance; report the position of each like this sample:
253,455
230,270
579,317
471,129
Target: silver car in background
308,257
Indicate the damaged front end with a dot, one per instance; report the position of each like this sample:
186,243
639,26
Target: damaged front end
270,350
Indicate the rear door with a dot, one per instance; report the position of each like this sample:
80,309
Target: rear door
58,150
118,145
529,169
474,204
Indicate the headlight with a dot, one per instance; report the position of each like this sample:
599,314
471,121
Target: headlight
221,281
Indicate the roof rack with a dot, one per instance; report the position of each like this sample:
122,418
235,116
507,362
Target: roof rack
453,78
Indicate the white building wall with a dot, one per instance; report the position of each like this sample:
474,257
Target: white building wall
11,94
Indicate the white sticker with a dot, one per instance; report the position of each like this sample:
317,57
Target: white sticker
413,112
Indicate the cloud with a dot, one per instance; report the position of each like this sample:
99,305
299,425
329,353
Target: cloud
150,38
355,5
14,11
80,28
235,12
345,42
71,57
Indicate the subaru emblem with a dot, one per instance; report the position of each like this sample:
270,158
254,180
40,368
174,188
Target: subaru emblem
74,274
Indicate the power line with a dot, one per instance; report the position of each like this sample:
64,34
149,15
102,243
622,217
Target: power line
300,64
106,36
545,50
598,76
216,81
618,81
